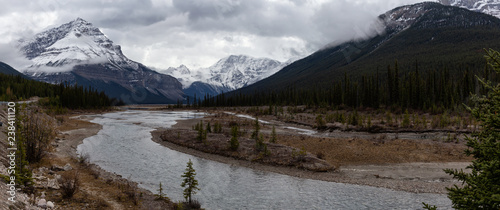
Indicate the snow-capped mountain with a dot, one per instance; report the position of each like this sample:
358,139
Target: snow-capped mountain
78,52
77,42
229,73
236,71
491,7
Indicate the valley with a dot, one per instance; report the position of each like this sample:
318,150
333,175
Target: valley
282,106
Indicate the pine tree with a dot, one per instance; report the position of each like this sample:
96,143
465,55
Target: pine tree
209,128
161,195
273,135
234,144
481,187
189,183
255,134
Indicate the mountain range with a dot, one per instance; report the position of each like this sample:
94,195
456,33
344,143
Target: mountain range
79,53
229,73
430,35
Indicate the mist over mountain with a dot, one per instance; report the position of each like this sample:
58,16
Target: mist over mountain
430,34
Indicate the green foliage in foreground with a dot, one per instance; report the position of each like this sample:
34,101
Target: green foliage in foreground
481,187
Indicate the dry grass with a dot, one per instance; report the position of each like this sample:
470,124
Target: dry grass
360,151
66,123
378,150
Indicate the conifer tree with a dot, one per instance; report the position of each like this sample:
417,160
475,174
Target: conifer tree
255,134
481,187
273,135
189,183
233,143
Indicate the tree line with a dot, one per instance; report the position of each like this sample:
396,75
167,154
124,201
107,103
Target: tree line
436,89
62,95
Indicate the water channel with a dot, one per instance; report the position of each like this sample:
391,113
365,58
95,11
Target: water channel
124,146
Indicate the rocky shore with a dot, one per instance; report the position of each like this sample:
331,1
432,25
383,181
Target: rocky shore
98,189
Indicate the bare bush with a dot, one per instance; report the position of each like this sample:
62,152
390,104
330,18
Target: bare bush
36,131
70,184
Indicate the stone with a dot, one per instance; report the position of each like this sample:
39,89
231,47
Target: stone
57,168
50,205
42,203
53,184
67,167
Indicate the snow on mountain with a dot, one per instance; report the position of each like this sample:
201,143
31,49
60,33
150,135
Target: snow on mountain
74,43
228,73
78,52
237,71
491,7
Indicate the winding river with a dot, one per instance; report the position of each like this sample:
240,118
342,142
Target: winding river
124,146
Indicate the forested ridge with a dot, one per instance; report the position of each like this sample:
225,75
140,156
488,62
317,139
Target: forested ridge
13,88
424,89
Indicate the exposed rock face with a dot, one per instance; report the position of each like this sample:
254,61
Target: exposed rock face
491,7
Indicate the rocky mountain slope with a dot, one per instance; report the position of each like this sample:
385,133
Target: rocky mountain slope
429,33
78,52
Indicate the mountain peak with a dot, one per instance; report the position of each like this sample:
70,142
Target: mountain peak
433,15
491,7
80,20
73,43
78,52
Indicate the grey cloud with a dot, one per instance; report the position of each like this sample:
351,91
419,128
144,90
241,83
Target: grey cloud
214,9
147,26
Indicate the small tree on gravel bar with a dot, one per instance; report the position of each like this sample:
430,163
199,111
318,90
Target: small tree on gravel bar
189,183
273,135
255,134
234,144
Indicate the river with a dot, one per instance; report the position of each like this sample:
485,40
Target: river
124,146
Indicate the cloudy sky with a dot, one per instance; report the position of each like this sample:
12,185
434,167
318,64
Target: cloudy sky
197,33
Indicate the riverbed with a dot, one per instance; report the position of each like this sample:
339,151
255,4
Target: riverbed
124,146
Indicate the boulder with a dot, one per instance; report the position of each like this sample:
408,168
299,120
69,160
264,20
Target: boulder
50,205
42,203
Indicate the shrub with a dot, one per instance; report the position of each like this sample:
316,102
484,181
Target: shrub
70,184
406,120
320,122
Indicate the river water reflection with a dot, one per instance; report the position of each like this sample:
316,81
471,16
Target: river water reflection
124,146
